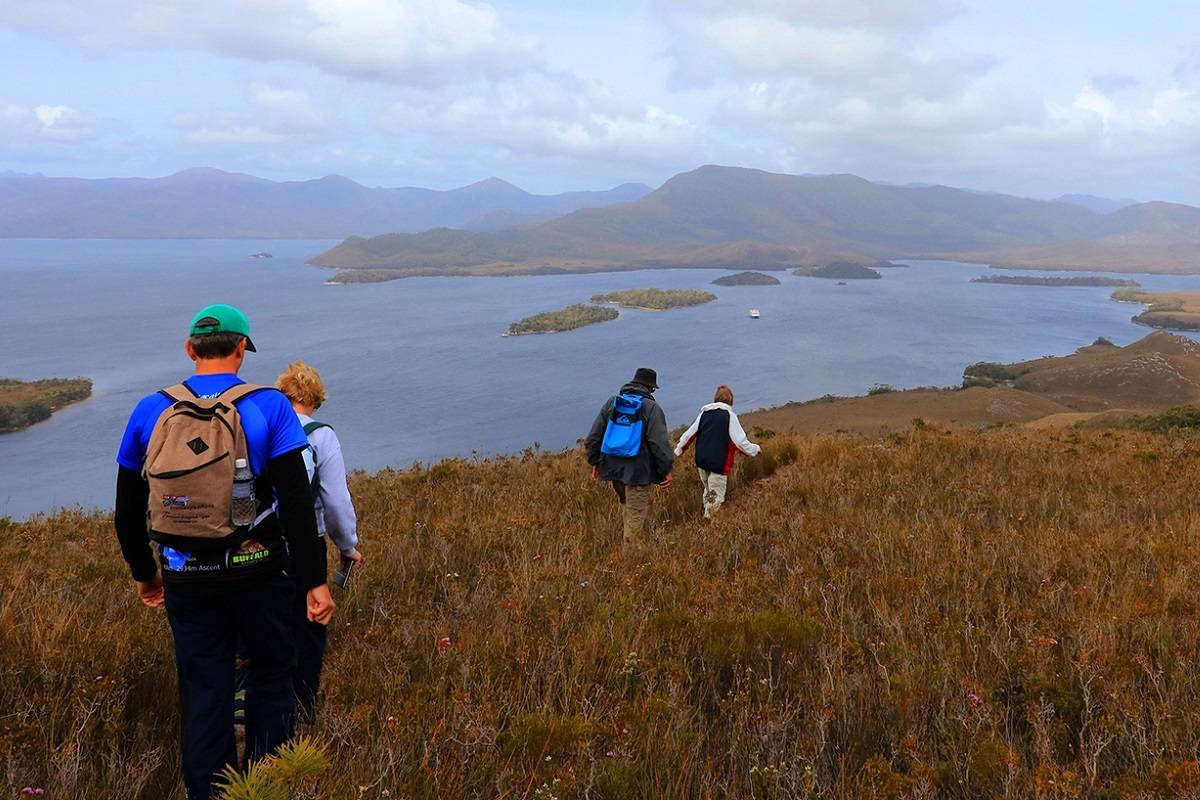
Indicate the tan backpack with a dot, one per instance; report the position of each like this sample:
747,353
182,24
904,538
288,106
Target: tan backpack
190,462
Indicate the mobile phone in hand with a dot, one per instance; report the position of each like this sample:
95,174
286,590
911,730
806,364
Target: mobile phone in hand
341,578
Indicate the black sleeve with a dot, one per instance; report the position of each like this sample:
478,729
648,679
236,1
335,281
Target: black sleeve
595,436
129,518
289,479
658,439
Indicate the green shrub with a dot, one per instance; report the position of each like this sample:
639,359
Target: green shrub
1183,418
291,771
532,737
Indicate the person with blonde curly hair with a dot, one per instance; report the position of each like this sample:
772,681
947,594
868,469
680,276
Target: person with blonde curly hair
334,509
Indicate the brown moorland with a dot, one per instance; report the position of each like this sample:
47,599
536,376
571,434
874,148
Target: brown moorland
932,613
1098,384
1169,310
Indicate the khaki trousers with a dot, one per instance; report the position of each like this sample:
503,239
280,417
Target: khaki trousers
715,485
635,507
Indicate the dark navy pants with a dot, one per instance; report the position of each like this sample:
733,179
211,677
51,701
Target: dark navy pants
310,654
207,623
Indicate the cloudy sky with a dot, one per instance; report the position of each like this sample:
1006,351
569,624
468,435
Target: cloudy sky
1030,97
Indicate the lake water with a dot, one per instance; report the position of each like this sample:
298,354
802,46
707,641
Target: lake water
417,369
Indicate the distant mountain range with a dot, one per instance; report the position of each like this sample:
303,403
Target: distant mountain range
1101,205
211,204
732,217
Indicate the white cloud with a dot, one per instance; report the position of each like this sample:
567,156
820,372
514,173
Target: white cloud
285,109
878,14
403,41
987,132
271,115
832,44
546,116
45,123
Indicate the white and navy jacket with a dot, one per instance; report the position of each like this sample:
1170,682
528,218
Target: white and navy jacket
719,437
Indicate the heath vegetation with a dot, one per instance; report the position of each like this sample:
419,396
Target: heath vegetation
932,613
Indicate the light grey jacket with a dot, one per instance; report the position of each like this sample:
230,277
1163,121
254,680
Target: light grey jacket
335,509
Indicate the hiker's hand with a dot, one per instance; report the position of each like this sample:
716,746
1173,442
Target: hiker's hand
356,557
320,604
596,473
665,482
151,592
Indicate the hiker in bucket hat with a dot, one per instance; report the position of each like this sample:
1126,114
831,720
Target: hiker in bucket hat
628,446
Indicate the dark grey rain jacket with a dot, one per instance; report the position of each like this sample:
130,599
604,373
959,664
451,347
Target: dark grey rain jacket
653,463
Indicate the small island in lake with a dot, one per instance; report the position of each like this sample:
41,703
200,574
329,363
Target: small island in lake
23,403
839,270
747,279
656,299
567,319
347,276
1174,311
1034,280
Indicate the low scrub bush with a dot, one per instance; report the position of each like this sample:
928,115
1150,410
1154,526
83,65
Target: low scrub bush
989,371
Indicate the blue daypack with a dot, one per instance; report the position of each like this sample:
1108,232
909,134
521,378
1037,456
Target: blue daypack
623,435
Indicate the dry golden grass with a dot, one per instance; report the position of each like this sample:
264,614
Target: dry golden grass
1005,613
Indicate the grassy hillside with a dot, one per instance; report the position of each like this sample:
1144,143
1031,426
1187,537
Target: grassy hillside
1096,385
928,614
1179,311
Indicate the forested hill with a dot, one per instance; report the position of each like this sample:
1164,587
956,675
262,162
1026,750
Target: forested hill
729,216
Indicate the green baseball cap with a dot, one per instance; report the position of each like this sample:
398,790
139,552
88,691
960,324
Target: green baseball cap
221,318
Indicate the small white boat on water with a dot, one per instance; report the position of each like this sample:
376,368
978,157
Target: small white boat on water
754,313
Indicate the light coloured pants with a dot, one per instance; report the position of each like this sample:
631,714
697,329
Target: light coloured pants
714,484
635,507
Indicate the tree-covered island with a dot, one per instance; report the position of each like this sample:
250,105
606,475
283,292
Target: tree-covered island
566,319
656,299
23,403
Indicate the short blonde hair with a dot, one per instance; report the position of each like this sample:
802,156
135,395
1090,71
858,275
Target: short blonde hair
723,395
302,384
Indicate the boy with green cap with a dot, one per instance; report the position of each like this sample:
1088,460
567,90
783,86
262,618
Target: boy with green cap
212,470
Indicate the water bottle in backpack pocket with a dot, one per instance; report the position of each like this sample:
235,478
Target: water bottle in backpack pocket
196,466
623,435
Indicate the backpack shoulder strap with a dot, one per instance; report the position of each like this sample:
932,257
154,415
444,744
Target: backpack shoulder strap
179,391
315,426
238,391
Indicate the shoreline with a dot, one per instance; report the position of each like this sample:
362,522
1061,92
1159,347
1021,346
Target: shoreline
23,404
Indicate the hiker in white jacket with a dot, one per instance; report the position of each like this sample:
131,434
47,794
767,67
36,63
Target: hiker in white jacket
718,437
